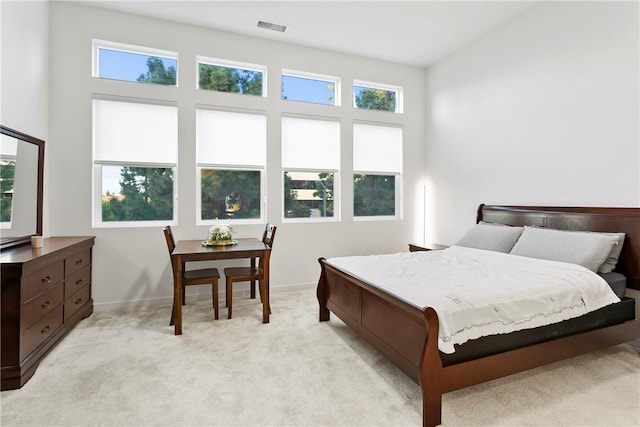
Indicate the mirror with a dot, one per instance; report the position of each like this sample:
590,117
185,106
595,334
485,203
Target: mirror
21,187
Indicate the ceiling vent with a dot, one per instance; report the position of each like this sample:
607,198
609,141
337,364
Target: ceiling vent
271,26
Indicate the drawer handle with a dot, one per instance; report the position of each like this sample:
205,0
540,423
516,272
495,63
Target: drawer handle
46,279
80,261
78,281
79,301
45,330
45,304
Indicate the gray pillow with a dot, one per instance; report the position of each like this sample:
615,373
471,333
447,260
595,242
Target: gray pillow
576,247
490,238
611,261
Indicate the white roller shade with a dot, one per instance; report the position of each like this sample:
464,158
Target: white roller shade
310,144
377,148
230,138
135,133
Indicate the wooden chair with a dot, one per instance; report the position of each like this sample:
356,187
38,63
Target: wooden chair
249,274
202,276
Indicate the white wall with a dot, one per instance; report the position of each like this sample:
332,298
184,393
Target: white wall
133,264
24,71
542,110
25,66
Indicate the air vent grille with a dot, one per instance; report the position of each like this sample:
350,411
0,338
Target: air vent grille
271,26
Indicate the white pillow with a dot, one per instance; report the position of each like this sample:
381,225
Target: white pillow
490,237
610,263
576,247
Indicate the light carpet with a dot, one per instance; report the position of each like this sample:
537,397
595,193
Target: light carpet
124,367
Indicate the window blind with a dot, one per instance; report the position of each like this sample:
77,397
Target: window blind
231,138
134,132
377,148
310,144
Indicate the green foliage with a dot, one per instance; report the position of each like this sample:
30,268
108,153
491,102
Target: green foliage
158,74
146,194
376,99
225,79
7,174
293,208
230,194
373,195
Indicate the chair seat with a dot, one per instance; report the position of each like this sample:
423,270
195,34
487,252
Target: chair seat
204,274
238,272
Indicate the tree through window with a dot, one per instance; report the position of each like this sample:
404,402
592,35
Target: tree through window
218,75
372,96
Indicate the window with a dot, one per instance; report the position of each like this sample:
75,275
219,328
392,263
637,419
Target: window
134,157
233,77
377,166
8,154
231,154
376,96
310,162
117,61
307,87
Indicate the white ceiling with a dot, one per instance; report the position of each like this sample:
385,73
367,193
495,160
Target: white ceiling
408,32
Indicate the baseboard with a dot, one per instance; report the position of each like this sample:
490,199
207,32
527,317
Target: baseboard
238,292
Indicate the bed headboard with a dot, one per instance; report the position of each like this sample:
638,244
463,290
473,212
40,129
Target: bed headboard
618,220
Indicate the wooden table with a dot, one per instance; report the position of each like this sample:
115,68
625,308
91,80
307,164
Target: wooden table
194,250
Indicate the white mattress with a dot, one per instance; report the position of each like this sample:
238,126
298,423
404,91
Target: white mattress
478,293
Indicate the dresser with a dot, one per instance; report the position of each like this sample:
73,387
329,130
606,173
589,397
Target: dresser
45,293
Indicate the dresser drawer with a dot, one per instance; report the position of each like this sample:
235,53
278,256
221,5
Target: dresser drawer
33,336
77,281
76,262
42,280
76,301
41,305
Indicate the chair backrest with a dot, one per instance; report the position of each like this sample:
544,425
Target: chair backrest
269,235
168,236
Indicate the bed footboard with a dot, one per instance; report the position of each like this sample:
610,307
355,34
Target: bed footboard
394,328
431,373
407,336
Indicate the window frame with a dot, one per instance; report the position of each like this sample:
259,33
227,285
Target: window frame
226,63
379,86
398,196
98,44
317,77
337,205
231,166
97,175
97,189
232,221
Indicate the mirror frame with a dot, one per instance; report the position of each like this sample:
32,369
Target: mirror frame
8,242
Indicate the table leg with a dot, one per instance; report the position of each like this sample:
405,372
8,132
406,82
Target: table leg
253,282
177,296
265,300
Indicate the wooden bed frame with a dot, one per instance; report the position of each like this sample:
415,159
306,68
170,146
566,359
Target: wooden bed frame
408,336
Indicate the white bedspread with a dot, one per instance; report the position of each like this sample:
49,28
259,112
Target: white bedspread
478,293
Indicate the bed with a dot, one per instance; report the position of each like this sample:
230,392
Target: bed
408,335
